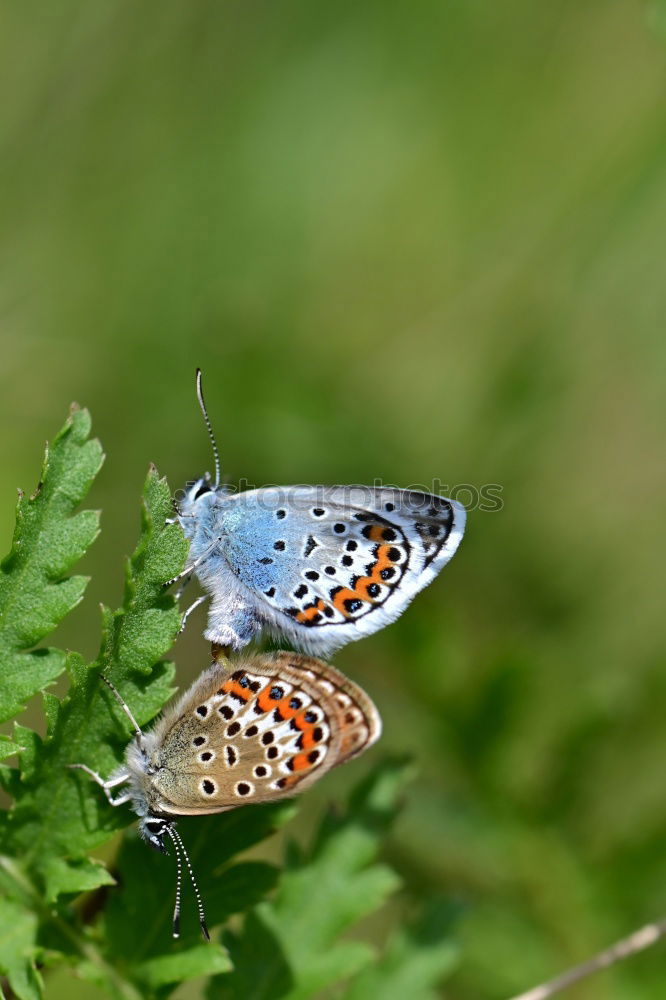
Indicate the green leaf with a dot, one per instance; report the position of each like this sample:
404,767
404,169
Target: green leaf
35,595
8,747
35,592
320,897
59,811
414,962
200,960
18,950
58,814
149,883
81,875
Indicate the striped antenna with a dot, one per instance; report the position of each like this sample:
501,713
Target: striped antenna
179,886
179,845
209,428
125,707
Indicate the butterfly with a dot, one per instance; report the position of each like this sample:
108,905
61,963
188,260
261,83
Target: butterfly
260,730
318,565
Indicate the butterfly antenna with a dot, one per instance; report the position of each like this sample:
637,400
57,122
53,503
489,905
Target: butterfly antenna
209,428
123,704
178,843
179,886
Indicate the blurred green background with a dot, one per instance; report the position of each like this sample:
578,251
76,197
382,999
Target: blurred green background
404,241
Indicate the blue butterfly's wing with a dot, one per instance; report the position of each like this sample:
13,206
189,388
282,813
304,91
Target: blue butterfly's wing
325,565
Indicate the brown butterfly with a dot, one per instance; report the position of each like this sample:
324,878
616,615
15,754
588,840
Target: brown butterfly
259,730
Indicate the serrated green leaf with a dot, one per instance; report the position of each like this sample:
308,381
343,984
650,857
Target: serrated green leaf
60,812
49,538
321,895
56,817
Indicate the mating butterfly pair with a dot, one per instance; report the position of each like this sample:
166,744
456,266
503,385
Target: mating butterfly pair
319,566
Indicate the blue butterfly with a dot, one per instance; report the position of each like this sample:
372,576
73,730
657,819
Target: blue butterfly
317,565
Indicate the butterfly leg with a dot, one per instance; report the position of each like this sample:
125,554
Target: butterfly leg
186,574
108,784
176,513
195,604
189,570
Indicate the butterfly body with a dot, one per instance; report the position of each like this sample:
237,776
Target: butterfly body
319,565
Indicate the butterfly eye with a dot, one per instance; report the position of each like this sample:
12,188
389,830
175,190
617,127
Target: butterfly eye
154,831
203,488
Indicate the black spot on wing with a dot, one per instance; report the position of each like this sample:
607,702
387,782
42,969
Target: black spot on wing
310,545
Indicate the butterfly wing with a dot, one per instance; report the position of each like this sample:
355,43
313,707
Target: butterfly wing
261,731
327,565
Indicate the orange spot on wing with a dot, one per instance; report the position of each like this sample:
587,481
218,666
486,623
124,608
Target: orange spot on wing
360,591
308,741
362,585
285,709
307,614
300,762
307,728
264,700
233,687
345,594
382,561
376,533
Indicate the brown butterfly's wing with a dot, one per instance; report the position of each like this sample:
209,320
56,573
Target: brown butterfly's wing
263,729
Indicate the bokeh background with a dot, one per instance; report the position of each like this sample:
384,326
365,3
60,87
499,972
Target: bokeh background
404,241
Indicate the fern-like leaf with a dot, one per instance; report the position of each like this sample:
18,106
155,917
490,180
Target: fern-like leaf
49,538
321,896
58,815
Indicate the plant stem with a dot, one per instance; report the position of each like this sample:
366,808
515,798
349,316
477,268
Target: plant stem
631,945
